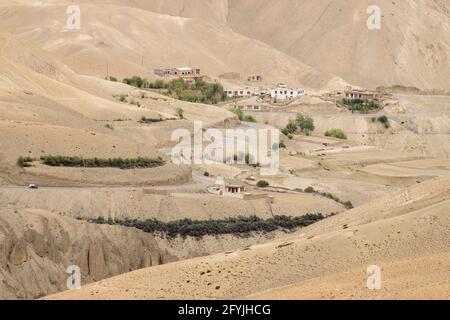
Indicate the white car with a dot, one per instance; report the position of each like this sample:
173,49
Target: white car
33,186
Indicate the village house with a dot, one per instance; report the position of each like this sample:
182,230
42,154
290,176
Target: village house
282,92
228,187
253,104
254,78
361,95
188,74
239,93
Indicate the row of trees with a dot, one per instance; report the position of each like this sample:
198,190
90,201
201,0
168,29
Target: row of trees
359,105
240,226
133,163
199,92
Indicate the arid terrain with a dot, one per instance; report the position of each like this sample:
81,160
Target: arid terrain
381,189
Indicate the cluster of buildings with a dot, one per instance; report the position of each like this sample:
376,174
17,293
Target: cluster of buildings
280,92
356,94
188,74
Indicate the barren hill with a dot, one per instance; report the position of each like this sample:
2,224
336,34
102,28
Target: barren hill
407,230
411,48
119,40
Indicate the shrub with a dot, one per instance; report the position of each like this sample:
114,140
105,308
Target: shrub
180,113
109,126
135,81
243,117
278,146
262,184
121,97
206,174
150,120
291,127
336,133
385,121
310,190
348,205
113,79
249,118
24,162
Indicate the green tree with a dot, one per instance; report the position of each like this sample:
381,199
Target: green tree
305,123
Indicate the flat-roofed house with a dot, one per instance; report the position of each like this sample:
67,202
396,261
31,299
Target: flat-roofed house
239,92
283,92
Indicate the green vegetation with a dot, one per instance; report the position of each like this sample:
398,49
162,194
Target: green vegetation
199,92
278,146
24,162
385,121
243,117
158,84
304,124
121,97
180,113
135,163
336,133
109,126
262,184
111,78
359,105
347,204
134,81
206,174
150,120
240,226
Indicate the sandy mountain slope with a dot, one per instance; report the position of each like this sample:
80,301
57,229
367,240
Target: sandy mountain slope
407,230
122,41
36,247
45,108
412,47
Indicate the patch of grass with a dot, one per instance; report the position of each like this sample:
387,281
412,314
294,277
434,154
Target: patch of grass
240,226
134,163
336,133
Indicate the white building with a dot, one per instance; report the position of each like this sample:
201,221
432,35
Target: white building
282,92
